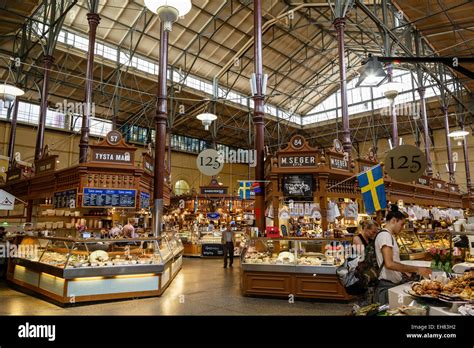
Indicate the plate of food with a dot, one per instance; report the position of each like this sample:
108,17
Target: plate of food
426,289
98,256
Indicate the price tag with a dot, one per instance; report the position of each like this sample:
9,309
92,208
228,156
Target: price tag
209,163
405,163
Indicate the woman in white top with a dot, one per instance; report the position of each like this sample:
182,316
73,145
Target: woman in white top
388,256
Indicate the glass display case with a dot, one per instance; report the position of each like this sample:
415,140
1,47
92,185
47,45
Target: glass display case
410,245
68,270
302,267
70,258
415,244
312,255
439,239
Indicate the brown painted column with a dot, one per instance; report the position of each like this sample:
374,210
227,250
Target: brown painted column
93,19
259,116
160,140
424,118
444,109
11,142
466,163
47,63
340,24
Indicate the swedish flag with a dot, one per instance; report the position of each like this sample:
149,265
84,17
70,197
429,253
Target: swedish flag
245,189
373,189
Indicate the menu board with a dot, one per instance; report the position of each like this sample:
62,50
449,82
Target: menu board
144,200
298,185
108,198
212,250
65,199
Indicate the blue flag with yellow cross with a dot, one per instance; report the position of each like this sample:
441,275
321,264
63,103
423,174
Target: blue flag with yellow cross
373,189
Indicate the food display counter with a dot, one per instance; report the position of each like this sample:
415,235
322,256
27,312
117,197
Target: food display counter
68,270
303,267
416,245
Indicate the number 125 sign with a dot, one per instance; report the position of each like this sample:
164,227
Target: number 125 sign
405,163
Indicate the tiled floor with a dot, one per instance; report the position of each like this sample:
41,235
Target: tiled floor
202,287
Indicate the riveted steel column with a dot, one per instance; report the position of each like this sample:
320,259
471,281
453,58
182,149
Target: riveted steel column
339,24
259,116
11,142
93,19
47,63
444,109
161,119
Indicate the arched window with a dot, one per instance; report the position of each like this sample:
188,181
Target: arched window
181,187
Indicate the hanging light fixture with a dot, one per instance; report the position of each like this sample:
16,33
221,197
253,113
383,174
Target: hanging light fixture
9,92
391,89
458,134
169,10
206,119
372,73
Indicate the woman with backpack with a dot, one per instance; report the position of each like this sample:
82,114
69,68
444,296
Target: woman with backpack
388,256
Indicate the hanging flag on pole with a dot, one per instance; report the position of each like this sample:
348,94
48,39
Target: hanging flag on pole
245,189
373,189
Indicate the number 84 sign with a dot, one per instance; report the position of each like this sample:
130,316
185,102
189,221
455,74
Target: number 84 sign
405,163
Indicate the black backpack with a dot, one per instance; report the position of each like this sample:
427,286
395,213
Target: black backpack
361,272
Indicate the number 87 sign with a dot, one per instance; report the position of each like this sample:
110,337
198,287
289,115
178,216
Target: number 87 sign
405,163
209,162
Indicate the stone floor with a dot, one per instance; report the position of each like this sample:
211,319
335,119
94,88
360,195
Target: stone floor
202,287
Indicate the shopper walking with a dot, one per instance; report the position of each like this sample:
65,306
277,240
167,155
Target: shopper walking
388,256
228,243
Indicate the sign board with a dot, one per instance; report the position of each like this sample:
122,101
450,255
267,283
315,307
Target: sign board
298,185
423,181
213,216
208,162
7,200
46,164
93,197
212,250
213,190
338,163
113,150
111,156
405,163
144,200
65,199
297,161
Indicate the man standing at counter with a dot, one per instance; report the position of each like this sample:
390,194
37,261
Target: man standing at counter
388,256
228,243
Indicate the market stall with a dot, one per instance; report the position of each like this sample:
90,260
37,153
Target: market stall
89,228
199,218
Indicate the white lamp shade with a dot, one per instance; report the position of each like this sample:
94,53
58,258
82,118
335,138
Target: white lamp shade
182,6
11,90
458,134
391,89
206,117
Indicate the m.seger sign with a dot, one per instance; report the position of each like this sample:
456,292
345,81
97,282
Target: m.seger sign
286,161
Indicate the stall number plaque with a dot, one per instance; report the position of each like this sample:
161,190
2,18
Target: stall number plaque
108,198
405,163
208,162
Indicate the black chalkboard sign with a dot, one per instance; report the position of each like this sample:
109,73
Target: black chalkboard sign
298,185
212,250
108,198
65,199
